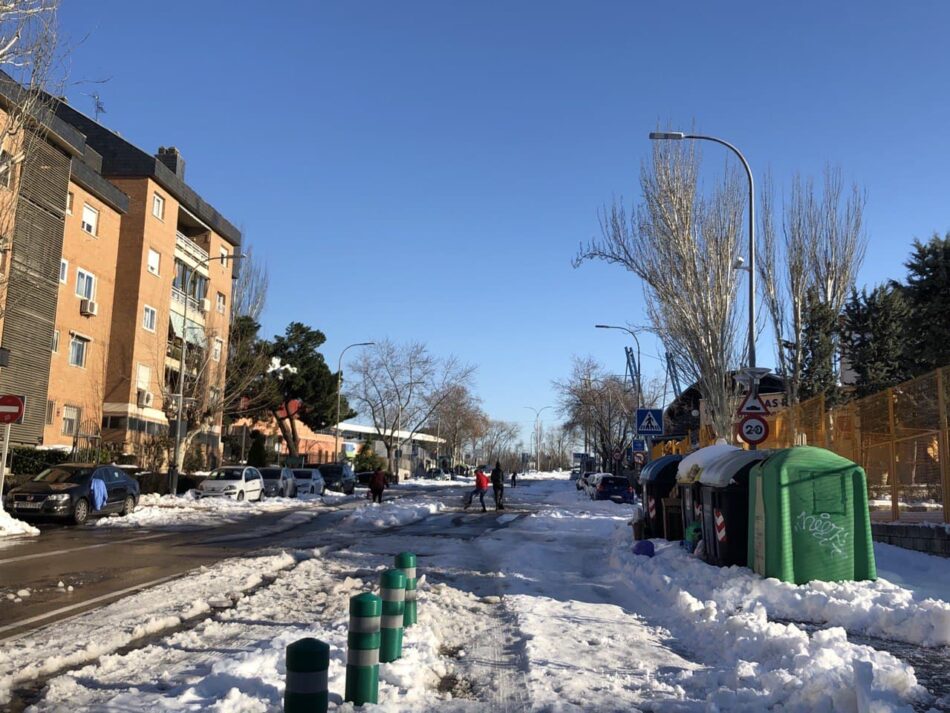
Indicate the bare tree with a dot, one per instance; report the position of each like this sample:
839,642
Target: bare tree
458,419
497,438
682,245
820,250
399,388
249,294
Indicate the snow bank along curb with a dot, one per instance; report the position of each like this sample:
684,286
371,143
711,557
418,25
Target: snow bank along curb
9,525
67,643
723,615
391,514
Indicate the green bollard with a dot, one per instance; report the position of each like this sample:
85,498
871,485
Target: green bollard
406,561
307,663
362,649
392,589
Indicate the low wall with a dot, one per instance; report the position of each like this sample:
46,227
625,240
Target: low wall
932,539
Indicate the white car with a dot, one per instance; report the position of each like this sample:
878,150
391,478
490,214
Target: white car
234,481
590,484
309,481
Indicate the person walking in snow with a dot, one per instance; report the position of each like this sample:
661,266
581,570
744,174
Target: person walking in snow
498,485
514,478
481,487
377,483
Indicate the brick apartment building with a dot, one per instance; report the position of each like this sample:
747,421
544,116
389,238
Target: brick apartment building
104,240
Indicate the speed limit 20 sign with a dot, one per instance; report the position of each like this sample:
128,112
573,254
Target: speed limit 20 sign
754,430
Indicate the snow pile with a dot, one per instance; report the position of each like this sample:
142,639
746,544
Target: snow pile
9,525
723,615
99,632
391,513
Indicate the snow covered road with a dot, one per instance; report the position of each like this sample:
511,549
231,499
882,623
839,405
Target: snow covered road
540,608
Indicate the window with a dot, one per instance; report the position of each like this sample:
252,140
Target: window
69,203
154,261
149,318
55,345
64,271
143,377
216,350
70,420
50,412
6,169
158,206
220,303
77,350
90,219
85,284
224,256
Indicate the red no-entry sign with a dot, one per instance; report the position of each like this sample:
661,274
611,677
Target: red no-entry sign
11,408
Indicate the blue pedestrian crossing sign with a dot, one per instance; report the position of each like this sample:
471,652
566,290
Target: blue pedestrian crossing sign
650,421
638,445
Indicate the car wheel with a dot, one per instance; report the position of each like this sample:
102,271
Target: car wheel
129,506
80,512
240,496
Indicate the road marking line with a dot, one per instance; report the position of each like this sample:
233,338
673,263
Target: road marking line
53,553
87,602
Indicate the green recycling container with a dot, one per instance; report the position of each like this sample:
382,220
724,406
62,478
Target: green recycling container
808,517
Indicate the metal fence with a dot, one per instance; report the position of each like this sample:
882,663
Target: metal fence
899,436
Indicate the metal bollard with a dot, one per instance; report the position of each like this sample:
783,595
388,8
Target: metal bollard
392,589
307,663
406,561
362,649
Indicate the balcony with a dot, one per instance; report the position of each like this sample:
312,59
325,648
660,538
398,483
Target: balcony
190,248
195,307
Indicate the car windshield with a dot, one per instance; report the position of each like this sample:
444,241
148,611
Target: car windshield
270,473
63,475
303,474
225,474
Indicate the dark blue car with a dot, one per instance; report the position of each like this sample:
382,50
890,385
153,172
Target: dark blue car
614,487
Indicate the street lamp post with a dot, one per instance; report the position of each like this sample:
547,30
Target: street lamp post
176,466
637,342
339,384
679,136
537,433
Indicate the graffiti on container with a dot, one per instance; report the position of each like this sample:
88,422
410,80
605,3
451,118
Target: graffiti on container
831,536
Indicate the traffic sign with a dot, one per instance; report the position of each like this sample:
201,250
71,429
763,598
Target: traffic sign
638,444
11,408
754,430
753,405
618,455
639,457
650,421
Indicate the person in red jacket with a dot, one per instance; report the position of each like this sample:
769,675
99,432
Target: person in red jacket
377,483
481,487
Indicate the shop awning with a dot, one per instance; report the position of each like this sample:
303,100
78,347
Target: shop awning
195,332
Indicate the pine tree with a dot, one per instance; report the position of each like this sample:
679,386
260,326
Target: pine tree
874,338
819,337
927,294
367,460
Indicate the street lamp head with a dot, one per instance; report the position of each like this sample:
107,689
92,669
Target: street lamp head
739,263
602,326
667,135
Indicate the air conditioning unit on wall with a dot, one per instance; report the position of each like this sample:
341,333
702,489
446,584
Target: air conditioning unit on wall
206,305
144,398
88,308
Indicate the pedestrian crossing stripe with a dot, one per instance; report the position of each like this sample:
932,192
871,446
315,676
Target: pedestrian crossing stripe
649,423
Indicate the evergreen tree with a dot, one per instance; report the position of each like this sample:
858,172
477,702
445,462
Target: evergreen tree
927,294
874,338
367,460
257,454
819,337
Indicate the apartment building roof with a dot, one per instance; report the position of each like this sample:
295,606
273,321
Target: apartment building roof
122,159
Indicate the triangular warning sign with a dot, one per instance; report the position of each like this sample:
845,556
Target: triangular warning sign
752,405
649,424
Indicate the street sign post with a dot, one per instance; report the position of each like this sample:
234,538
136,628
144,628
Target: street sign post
754,430
11,411
638,444
639,457
753,405
649,422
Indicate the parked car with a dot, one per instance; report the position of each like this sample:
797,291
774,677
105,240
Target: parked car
279,482
613,487
437,474
241,482
339,477
581,482
309,481
66,492
591,483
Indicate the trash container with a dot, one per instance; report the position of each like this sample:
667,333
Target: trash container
658,478
724,490
808,517
687,479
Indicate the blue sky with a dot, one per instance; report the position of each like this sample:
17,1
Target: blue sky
426,170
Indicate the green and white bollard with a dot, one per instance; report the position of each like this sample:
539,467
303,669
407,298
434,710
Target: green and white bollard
307,663
406,561
362,649
392,589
